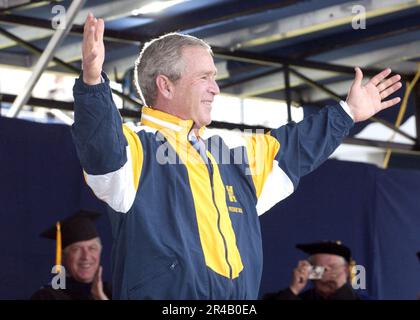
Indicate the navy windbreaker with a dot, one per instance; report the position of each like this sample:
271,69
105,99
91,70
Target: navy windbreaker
183,228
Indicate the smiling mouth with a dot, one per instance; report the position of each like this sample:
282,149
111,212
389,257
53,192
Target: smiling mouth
85,266
207,102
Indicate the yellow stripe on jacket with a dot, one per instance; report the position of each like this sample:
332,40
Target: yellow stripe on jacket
261,151
207,213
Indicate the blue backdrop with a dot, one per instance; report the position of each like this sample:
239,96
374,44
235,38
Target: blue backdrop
375,212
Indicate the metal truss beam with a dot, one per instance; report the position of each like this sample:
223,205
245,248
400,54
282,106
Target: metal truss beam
416,92
69,106
334,16
226,11
11,4
30,47
238,55
337,97
275,61
396,147
61,105
45,58
395,28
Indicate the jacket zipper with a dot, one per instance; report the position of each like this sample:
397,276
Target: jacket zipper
209,166
210,169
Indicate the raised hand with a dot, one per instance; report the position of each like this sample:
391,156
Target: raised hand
93,50
300,277
366,100
97,289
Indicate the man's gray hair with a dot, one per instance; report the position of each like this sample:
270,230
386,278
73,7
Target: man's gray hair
162,56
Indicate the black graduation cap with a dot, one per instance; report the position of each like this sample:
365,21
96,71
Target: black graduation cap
330,247
77,227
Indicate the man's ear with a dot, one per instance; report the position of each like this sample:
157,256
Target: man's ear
164,86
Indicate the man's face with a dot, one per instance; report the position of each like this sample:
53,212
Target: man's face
335,275
82,259
196,89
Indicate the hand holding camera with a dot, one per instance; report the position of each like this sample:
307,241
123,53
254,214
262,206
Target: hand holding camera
304,272
300,276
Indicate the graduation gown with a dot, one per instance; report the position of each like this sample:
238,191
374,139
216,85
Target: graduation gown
75,290
343,293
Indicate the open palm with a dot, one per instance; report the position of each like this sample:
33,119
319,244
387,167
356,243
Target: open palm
366,100
93,50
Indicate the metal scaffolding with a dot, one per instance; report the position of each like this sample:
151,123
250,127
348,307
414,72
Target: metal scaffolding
45,58
276,64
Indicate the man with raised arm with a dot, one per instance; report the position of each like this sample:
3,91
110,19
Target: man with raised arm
183,206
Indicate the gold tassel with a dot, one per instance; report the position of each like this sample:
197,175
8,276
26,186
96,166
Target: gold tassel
352,267
58,249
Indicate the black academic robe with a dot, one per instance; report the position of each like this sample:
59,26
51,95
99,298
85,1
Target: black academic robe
343,293
75,290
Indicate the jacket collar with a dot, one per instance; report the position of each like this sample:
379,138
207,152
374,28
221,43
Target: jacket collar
164,121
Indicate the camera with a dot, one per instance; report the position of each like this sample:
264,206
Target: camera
316,272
